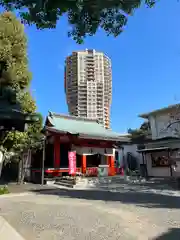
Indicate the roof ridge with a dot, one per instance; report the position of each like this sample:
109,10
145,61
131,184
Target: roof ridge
51,114
163,109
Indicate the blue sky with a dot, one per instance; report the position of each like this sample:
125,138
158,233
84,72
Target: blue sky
145,64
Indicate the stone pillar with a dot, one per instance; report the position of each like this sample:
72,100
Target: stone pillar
57,152
83,163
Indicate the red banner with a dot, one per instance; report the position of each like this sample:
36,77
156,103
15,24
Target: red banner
72,162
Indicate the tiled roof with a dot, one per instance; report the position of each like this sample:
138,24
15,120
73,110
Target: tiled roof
83,127
161,110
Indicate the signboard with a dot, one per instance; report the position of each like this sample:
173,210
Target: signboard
72,162
92,150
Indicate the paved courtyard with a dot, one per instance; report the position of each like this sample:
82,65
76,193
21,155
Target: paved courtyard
93,215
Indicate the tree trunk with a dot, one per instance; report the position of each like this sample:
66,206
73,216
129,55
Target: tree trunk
1,162
20,170
23,165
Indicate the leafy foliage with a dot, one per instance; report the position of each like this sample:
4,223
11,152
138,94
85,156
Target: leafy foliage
84,16
140,133
19,141
28,104
13,45
4,190
13,49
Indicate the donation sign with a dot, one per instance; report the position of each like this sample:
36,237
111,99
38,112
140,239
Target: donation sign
72,162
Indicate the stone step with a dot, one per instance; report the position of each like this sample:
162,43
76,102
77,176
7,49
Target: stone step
64,184
66,180
91,182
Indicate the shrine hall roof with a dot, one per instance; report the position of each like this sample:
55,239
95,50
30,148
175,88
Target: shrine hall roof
84,128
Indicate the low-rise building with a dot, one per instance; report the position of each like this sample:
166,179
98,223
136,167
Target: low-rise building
162,152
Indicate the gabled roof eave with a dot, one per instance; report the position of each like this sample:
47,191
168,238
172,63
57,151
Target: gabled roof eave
161,110
88,136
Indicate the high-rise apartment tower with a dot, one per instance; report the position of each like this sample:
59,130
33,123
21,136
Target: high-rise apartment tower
88,85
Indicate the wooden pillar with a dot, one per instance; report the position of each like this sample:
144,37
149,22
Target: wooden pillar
145,164
170,165
111,165
83,163
112,160
56,152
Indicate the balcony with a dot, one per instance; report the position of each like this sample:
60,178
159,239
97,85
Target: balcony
89,57
82,100
82,86
90,70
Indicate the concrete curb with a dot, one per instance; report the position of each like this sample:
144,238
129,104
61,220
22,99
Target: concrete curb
8,232
9,195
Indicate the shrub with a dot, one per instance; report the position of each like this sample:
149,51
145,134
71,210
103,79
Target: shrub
4,190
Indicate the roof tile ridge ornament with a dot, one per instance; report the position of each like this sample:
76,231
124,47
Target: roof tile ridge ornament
66,116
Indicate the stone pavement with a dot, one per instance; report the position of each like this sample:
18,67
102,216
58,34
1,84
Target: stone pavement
7,231
28,187
93,215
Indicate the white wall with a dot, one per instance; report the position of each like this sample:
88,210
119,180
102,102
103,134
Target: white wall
160,121
152,121
152,171
131,149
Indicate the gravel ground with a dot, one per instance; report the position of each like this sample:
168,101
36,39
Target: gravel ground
94,215
48,217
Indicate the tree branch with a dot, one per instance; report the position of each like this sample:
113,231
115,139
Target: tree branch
170,124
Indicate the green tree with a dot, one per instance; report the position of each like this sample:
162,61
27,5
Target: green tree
13,47
13,50
84,16
140,133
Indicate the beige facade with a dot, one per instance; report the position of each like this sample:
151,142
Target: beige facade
88,85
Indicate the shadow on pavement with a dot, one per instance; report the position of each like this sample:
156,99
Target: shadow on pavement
172,234
143,199
158,184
